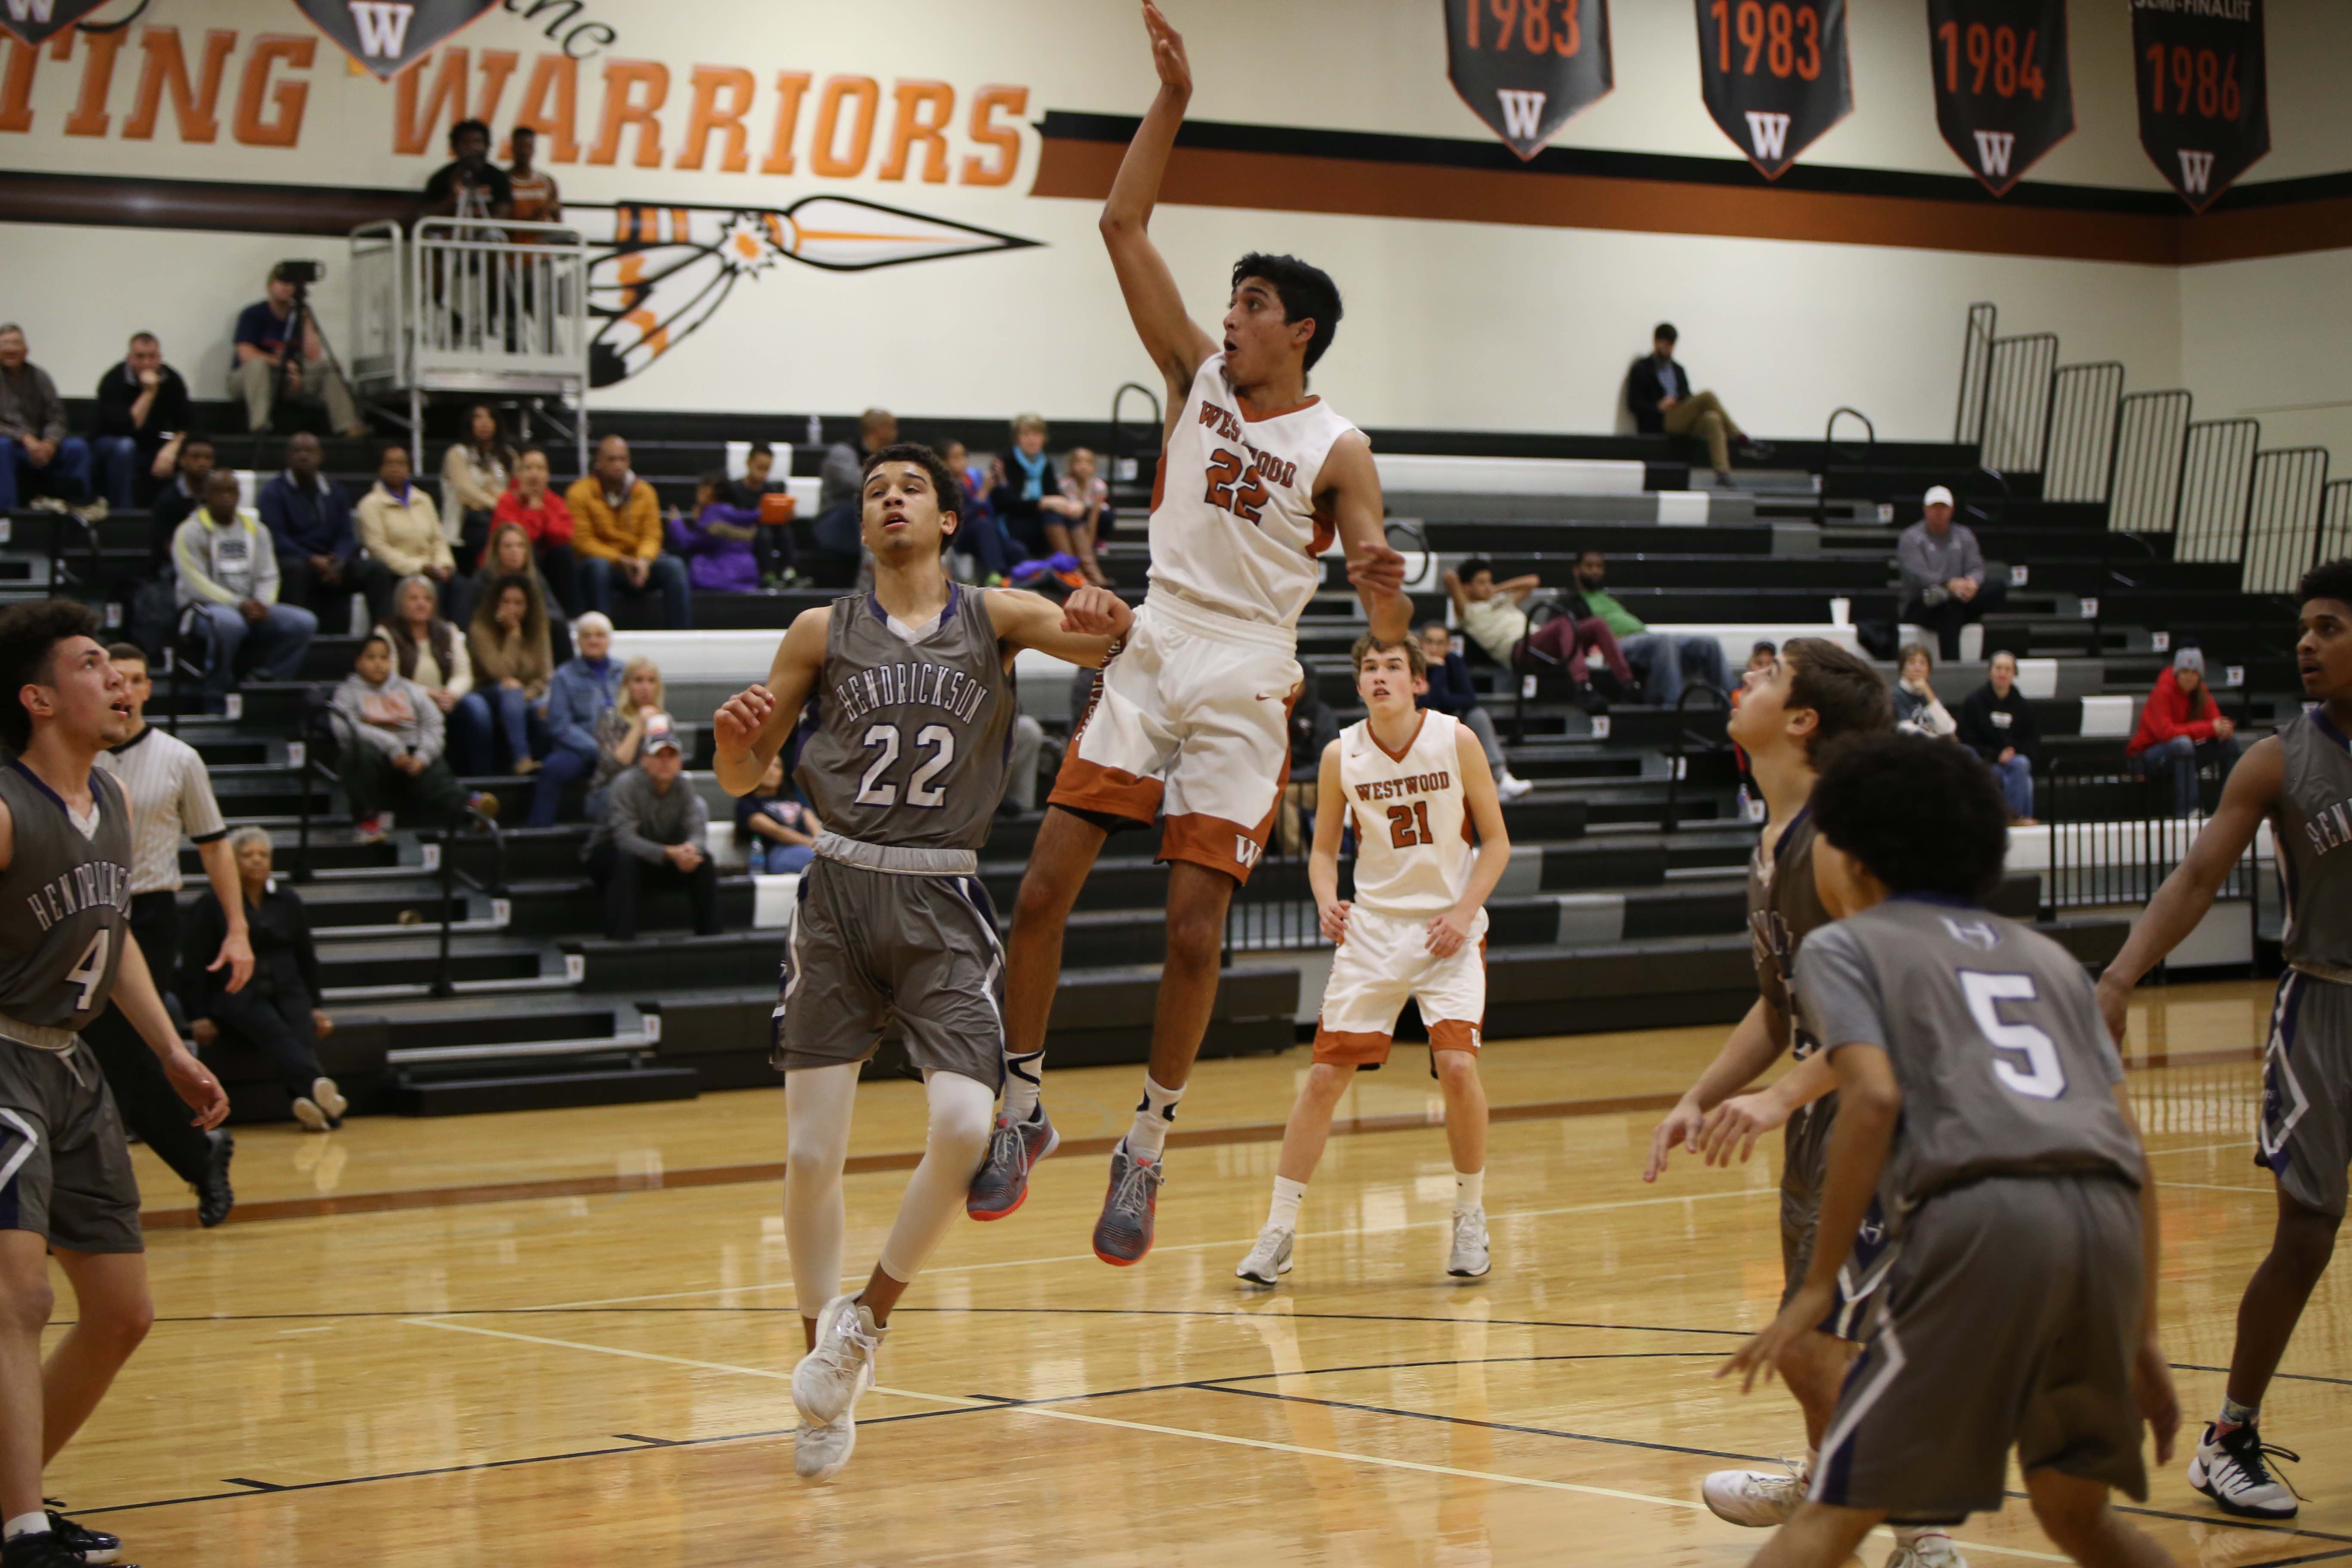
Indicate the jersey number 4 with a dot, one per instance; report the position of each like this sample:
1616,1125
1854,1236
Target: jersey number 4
883,739
1243,494
90,969
2041,1075
1409,826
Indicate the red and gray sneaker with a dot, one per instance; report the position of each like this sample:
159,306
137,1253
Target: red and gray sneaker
1002,1182
1123,1234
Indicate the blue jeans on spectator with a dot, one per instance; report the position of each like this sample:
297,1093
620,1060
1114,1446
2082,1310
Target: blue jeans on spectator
517,722
116,459
2177,759
778,859
2015,777
468,725
66,475
600,579
1664,660
836,528
268,650
992,551
564,765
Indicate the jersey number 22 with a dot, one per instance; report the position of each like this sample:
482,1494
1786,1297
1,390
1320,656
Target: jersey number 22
884,740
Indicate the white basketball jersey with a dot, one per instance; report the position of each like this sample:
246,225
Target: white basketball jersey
1234,524
1412,820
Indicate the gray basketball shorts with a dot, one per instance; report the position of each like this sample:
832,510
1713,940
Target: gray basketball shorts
2007,1320
65,1167
1807,1146
876,954
2307,1121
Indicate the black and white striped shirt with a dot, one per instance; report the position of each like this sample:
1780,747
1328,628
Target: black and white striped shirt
170,794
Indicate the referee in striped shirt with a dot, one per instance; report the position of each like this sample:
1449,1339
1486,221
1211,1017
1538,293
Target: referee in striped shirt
171,794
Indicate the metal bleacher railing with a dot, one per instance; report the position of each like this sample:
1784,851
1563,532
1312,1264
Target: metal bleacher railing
470,305
2115,837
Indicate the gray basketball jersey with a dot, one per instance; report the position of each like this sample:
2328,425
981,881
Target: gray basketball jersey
1783,908
910,738
1994,1036
2314,846
65,902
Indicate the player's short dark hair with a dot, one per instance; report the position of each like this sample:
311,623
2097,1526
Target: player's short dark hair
1307,293
29,634
2328,580
943,481
116,652
1922,815
1476,564
761,450
1408,644
464,125
1846,695
1665,330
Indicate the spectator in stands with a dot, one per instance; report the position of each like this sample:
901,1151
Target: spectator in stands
1662,658
1490,613
1943,573
772,544
509,554
37,456
721,542
1997,722
617,537
621,729
581,691
532,194
2181,727
277,1013
1024,482
469,185
653,824
1449,689
1917,709
777,832
546,524
474,475
1312,727
513,661
1082,500
978,531
228,570
309,523
175,500
842,481
1658,393
255,378
143,414
391,749
401,527
431,651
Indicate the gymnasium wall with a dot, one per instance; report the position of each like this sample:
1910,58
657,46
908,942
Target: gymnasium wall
1480,294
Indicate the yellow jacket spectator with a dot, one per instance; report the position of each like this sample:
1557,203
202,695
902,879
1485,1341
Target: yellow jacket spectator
616,534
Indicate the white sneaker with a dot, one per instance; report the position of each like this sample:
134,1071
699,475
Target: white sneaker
1269,1259
1470,1258
1926,1549
1512,788
2235,1472
828,1380
821,1453
308,1112
331,1099
1761,1499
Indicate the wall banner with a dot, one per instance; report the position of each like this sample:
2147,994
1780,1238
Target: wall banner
2004,96
388,36
2204,100
1528,67
1775,75
35,20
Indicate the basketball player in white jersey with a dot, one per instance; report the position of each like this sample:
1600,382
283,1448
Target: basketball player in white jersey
1191,720
1413,783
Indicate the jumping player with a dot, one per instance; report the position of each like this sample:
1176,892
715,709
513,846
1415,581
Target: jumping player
66,1188
2301,780
1192,719
893,932
1812,693
1414,784
1982,1104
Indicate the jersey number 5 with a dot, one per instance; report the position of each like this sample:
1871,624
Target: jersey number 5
2042,1076
1409,826
883,739
1243,495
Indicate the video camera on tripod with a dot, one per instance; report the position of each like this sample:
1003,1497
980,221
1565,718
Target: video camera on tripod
301,321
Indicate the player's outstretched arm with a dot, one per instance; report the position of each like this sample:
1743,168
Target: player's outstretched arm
143,1005
750,727
1323,857
1083,629
1732,1128
1176,342
2159,1404
1348,487
2251,795
1755,1042
1449,930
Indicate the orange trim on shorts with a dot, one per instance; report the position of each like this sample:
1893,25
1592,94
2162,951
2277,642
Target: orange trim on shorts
1348,1048
1082,785
1454,1035
1216,841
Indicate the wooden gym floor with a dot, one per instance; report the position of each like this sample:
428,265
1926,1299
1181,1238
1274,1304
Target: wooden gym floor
565,1338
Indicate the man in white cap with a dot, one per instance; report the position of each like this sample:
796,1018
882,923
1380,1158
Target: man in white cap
654,829
1944,586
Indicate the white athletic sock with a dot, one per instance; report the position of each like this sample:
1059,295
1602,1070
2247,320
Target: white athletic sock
1287,1195
1469,1190
1022,1083
1147,1139
26,1524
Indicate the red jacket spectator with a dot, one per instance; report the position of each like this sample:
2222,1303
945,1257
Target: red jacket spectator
548,522
2170,712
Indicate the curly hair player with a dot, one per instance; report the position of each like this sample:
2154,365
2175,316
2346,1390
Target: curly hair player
1982,1104
1415,784
1192,719
2300,780
915,702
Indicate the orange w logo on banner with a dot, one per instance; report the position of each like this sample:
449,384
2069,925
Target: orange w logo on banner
2204,99
2003,93
1527,67
1774,74
388,36
35,20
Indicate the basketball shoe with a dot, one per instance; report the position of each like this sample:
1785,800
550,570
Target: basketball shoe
1123,1234
1002,1182
1925,1548
1269,1260
1470,1258
822,1452
2234,1471
1760,1499
828,1380
90,1546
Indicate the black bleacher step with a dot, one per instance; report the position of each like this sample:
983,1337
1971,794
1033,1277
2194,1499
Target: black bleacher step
404,962
480,1022
1489,536
328,853
1691,909
569,906
545,1091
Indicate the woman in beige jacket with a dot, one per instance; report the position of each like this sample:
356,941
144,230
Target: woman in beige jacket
474,474
400,526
